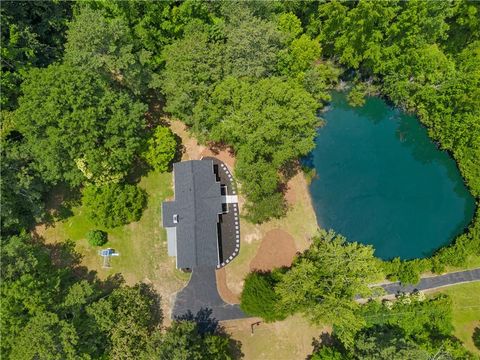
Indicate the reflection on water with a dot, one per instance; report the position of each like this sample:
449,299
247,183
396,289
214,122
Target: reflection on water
382,181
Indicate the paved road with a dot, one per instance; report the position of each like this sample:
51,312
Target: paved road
434,281
201,293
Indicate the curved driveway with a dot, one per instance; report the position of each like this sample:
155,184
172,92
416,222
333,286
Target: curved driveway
201,293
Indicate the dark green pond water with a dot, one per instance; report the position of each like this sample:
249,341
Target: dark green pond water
381,181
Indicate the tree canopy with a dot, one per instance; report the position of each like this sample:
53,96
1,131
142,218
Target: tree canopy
76,78
71,118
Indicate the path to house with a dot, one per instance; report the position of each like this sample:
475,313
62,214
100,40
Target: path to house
433,282
201,293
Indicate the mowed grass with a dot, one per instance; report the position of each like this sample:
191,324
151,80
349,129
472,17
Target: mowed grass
142,245
289,339
466,311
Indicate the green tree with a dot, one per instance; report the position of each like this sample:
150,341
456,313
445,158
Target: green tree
300,56
259,297
328,353
183,341
251,47
33,33
161,149
22,187
384,343
290,26
106,47
97,237
45,336
158,23
324,280
113,205
270,123
127,317
69,117
193,65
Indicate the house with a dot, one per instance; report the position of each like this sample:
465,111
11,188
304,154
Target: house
192,220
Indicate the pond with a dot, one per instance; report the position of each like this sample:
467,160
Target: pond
381,181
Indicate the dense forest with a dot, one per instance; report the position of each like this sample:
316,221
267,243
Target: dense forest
83,86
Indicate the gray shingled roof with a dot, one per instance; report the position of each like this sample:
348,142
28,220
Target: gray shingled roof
197,203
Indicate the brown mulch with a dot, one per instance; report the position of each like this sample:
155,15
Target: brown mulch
276,250
222,287
224,155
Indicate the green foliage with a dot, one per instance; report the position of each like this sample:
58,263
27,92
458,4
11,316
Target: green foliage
161,149
127,318
356,96
324,280
192,67
22,187
321,78
155,24
184,340
67,114
113,205
97,237
45,336
251,47
290,26
408,328
106,47
270,123
300,56
33,33
259,297
476,337
49,311
406,271
328,353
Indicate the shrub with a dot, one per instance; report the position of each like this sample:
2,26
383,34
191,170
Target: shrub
97,237
406,271
476,337
271,207
259,297
161,149
112,205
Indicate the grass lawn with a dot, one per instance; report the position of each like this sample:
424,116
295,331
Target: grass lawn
466,311
142,245
291,338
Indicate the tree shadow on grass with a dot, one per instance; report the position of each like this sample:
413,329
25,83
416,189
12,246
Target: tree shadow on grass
59,202
476,337
207,324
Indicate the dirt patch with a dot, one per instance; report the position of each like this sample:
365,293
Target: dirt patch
225,155
276,250
290,194
191,148
225,293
